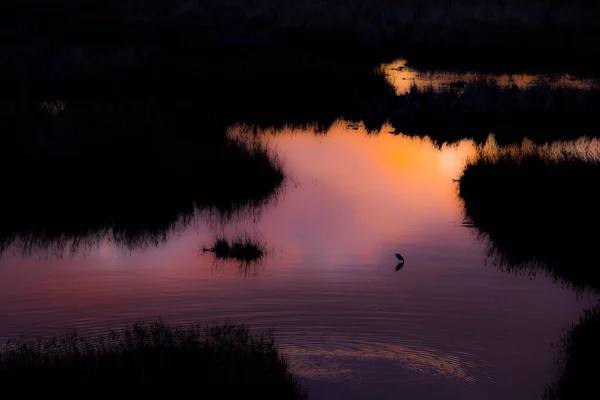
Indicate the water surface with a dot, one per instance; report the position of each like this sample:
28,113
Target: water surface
446,325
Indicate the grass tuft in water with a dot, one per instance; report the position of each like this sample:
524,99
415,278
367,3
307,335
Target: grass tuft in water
243,248
150,360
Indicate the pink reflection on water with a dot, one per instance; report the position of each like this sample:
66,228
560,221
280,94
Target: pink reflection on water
444,325
359,192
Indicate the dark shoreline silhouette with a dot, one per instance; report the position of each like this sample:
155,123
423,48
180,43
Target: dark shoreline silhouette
576,372
133,173
511,35
540,112
150,360
538,208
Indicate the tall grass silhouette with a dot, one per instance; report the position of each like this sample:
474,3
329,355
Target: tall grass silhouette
511,34
243,248
246,251
539,112
537,205
133,173
577,366
151,360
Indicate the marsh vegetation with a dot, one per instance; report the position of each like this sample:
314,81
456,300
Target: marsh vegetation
475,109
247,252
507,35
150,360
536,206
115,121
576,369
243,248
134,172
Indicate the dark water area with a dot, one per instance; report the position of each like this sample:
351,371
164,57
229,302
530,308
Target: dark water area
448,324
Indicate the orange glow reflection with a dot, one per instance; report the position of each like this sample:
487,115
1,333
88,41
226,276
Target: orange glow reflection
357,195
402,77
328,284
377,187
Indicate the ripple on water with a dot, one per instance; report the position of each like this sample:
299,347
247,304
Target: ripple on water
335,362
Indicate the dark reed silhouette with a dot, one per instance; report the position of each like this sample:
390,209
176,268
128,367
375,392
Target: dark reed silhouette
263,90
243,248
577,367
537,205
539,112
98,35
245,251
225,361
134,171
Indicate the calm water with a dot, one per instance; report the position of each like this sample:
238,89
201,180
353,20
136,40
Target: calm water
447,325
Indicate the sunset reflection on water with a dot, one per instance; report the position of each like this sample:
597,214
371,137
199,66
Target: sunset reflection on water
443,324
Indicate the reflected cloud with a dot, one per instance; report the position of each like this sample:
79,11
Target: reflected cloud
359,199
369,186
324,363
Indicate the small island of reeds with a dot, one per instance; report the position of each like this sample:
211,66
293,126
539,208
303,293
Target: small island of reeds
242,248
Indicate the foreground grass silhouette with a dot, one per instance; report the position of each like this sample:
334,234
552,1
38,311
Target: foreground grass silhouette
537,205
577,369
151,360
